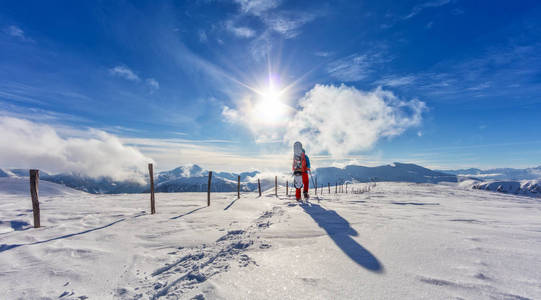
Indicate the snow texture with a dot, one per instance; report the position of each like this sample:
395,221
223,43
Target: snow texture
398,241
530,188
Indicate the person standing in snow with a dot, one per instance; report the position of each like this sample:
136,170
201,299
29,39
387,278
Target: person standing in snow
301,167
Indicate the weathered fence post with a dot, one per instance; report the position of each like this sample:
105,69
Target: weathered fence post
259,187
346,187
336,187
151,176
329,186
238,188
316,185
276,186
208,190
287,188
34,191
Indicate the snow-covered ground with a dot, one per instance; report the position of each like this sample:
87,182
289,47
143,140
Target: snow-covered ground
398,241
21,186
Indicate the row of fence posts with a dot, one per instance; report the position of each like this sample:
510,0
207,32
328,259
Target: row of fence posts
34,190
343,188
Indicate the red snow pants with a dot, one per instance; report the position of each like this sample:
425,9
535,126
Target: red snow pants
305,183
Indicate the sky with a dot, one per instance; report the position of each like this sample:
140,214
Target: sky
104,87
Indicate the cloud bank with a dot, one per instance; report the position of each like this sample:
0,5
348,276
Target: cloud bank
339,119
32,145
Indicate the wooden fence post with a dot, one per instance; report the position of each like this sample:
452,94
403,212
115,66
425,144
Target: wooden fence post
34,191
329,186
316,185
208,190
276,186
287,188
346,187
259,187
238,188
336,188
151,176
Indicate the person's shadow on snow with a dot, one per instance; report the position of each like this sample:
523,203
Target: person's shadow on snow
340,232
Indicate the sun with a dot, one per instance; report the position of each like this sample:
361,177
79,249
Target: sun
270,108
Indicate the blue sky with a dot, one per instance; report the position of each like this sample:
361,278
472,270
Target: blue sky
229,84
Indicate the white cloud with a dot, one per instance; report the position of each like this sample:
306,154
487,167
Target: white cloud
124,72
212,155
26,144
287,24
262,117
418,8
392,81
17,32
479,87
153,83
230,114
351,68
341,119
243,32
257,7
261,46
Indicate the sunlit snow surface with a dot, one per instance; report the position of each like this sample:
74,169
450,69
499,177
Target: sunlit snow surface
398,241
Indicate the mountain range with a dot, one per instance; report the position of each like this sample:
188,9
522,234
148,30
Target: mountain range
499,173
193,178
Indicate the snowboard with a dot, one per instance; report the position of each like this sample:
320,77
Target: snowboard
297,159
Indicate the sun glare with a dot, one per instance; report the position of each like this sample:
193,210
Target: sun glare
269,108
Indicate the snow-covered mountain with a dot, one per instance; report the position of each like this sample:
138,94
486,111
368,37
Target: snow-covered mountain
499,174
195,179
531,188
191,178
20,186
399,172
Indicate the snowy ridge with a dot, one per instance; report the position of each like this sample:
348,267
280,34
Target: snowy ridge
531,188
399,172
21,186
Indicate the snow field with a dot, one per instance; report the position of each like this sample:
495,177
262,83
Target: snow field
401,240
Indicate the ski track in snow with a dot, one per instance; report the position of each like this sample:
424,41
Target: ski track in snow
198,264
